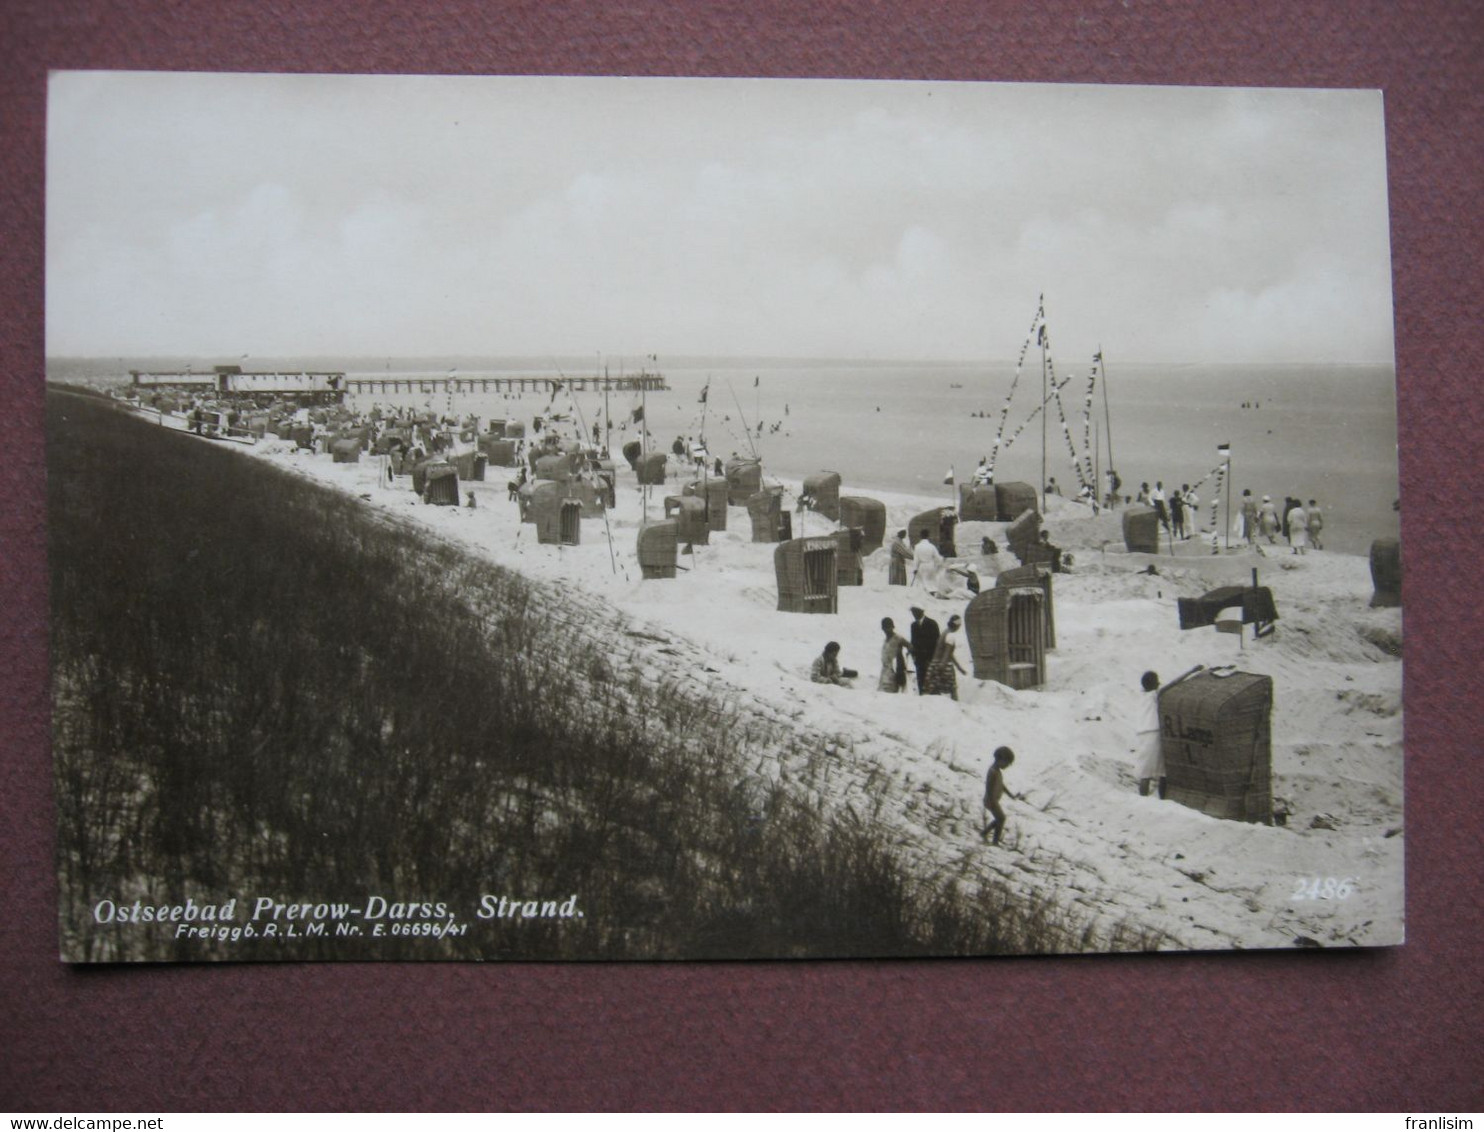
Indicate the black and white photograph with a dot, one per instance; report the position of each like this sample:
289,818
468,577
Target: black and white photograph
547,518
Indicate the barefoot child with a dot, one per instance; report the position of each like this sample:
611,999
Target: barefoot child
994,789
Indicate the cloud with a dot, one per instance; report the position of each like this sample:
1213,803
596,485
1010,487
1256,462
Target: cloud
778,218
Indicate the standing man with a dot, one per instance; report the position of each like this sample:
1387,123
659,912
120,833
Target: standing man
1316,525
1157,498
1249,517
925,635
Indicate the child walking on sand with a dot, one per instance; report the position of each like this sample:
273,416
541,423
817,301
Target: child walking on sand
994,790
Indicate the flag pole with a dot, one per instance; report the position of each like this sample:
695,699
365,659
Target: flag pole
1097,474
644,442
1043,411
1225,452
1107,416
1228,499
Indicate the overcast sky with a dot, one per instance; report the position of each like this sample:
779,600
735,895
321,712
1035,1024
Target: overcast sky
302,215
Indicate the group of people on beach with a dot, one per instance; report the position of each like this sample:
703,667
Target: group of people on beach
934,653
1178,510
1301,526
927,566
1148,751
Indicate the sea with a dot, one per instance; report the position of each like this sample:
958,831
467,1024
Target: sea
1321,432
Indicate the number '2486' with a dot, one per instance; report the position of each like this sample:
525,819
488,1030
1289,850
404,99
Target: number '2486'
1324,888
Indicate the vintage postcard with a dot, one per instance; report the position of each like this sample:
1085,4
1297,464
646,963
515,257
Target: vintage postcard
558,518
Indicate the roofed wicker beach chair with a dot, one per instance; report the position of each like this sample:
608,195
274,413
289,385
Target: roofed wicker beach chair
848,571
807,577
1141,530
590,495
1013,499
606,482
1023,533
823,492
658,550
500,453
470,466
770,522
440,484
869,515
558,516
391,440
978,503
419,472
689,514
1386,572
651,468
1217,742
1006,629
557,466
744,480
715,492
1034,574
939,523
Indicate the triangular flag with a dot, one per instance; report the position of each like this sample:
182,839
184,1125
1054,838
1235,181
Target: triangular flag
949,477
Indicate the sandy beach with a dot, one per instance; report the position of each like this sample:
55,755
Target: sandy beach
1081,831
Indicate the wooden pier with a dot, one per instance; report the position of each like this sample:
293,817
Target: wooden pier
231,379
359,384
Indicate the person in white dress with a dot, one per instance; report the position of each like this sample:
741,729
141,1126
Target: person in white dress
1147,746
928,562
1298,528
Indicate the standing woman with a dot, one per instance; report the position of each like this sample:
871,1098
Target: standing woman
893,658
942,675
901,554
1298,527
1268,518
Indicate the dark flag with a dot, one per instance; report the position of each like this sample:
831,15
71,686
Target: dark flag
705,391
754,382
637,415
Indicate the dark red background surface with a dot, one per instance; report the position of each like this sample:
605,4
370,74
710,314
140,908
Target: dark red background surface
1385,1029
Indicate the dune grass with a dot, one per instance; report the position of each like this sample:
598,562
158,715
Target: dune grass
263,688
